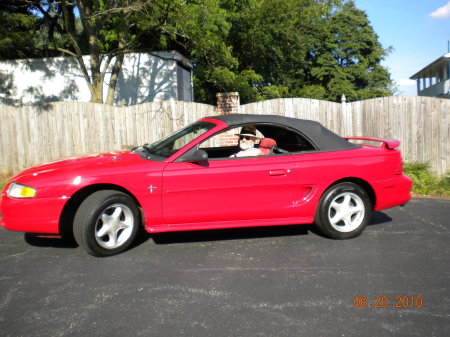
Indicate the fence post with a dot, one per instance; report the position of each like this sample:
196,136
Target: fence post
346,118
227,103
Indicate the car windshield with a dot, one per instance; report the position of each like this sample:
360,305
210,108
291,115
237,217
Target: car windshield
171,144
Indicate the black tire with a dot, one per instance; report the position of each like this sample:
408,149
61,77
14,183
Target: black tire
106,223
344,211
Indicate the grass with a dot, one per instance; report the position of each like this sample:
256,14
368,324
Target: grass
425,182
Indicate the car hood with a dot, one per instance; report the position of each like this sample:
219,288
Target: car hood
81,164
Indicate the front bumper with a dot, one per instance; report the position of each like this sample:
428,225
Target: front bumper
34,215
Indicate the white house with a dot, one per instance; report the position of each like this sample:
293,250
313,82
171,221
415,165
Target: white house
145,77
434,79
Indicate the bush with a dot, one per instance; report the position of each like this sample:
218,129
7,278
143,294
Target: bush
427,183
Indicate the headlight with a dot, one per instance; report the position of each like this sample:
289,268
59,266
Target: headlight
16,190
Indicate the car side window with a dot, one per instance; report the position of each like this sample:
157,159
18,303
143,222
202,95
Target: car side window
292,141
288,141
222,145
225,144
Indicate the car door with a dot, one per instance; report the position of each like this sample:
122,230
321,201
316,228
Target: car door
221,190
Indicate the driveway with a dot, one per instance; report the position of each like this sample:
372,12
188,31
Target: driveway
394,280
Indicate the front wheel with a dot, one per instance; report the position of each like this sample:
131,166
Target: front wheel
106,223
344,211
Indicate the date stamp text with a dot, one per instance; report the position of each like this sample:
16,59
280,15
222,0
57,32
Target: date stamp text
387,302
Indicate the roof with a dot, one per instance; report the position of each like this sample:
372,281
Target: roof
173,55
324,139
433,69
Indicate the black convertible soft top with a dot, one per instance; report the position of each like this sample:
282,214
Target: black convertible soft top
323,139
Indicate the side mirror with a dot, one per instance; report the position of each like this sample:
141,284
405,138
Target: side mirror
193,156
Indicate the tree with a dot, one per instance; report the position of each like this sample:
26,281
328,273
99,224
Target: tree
270,40
308,48
347,58
105,36
273,38
17,31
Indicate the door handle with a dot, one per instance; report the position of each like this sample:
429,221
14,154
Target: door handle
279,172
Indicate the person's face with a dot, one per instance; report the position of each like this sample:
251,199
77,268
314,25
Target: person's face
246,142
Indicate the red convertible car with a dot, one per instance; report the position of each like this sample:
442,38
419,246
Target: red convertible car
220,172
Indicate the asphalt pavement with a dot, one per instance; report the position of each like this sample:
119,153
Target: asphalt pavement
394,280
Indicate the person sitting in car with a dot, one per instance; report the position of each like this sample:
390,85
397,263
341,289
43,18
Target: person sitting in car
247,139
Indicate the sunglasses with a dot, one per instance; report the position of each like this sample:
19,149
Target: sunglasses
245,137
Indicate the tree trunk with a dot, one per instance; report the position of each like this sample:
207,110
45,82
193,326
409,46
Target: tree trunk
113,81
97,92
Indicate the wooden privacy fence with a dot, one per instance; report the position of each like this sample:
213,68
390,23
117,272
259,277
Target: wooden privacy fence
422,124
35,134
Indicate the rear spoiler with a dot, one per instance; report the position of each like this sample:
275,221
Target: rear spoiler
388,143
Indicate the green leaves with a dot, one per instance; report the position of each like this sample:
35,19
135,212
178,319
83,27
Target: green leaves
16,34
318,49
348,60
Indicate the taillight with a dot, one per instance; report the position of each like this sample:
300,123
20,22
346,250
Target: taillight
399,170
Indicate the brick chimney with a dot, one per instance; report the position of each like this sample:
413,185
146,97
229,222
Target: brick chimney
227,103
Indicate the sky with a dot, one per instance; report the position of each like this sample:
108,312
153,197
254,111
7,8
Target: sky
418,31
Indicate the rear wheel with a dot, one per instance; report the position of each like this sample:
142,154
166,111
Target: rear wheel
344,211
106,223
